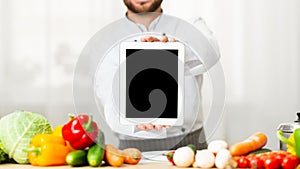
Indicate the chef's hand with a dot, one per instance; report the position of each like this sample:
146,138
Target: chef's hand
151,126
155,39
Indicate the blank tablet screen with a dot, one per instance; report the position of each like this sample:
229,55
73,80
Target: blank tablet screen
151,83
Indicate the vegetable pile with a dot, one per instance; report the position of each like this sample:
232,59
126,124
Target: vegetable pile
268,160
216,155
16,131
27,137
88,143
249,153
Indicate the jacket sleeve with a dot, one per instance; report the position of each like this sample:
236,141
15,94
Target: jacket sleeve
193,62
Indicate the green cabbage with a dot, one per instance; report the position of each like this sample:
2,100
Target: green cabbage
3,156
16,131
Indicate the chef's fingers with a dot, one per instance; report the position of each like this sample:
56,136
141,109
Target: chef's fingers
149,126
164,39
143,39
145,126
173,40
167,126
158,127
141,127
149,39
153,39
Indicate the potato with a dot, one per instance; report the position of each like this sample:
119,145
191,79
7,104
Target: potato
132,155
113,156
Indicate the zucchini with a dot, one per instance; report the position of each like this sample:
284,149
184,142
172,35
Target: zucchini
77,158
263,150
95,153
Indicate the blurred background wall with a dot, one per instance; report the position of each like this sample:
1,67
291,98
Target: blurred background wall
40,41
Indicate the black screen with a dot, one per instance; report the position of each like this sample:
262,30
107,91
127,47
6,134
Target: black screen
151,83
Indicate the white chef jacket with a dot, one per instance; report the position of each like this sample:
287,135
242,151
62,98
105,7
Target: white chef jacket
107,75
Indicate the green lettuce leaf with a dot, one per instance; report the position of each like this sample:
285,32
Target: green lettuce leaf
16,131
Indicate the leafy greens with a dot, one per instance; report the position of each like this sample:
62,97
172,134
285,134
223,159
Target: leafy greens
16,131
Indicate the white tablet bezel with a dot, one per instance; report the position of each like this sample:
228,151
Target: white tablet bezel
180,107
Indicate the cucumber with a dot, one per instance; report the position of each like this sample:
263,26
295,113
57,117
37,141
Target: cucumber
263,150
96,152
77,158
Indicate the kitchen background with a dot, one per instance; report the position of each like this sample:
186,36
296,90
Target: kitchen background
40,41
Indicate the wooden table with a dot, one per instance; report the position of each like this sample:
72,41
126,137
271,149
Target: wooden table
150,160
142,165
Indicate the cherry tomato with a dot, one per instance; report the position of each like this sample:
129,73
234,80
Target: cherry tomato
256,162
290,162
242,162
251,156
271,162
280,156
170,156
262,156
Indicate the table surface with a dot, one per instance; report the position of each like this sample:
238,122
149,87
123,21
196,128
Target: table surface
150,160
142,165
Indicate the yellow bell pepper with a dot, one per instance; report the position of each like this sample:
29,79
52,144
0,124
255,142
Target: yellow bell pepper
58,132
291,149
47,150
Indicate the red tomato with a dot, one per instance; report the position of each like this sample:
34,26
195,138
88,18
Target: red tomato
263,156
283,152
271,162
242,162
280,156
251,156
290,162
170,156
256,162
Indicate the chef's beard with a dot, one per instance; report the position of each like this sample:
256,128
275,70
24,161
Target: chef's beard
153,7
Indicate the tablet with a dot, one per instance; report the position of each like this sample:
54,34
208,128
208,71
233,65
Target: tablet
151,83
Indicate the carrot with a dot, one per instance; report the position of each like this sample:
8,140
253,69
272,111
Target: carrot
252,143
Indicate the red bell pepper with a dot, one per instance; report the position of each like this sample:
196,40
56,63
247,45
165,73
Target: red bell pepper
81,132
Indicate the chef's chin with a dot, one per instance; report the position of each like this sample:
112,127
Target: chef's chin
139,6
